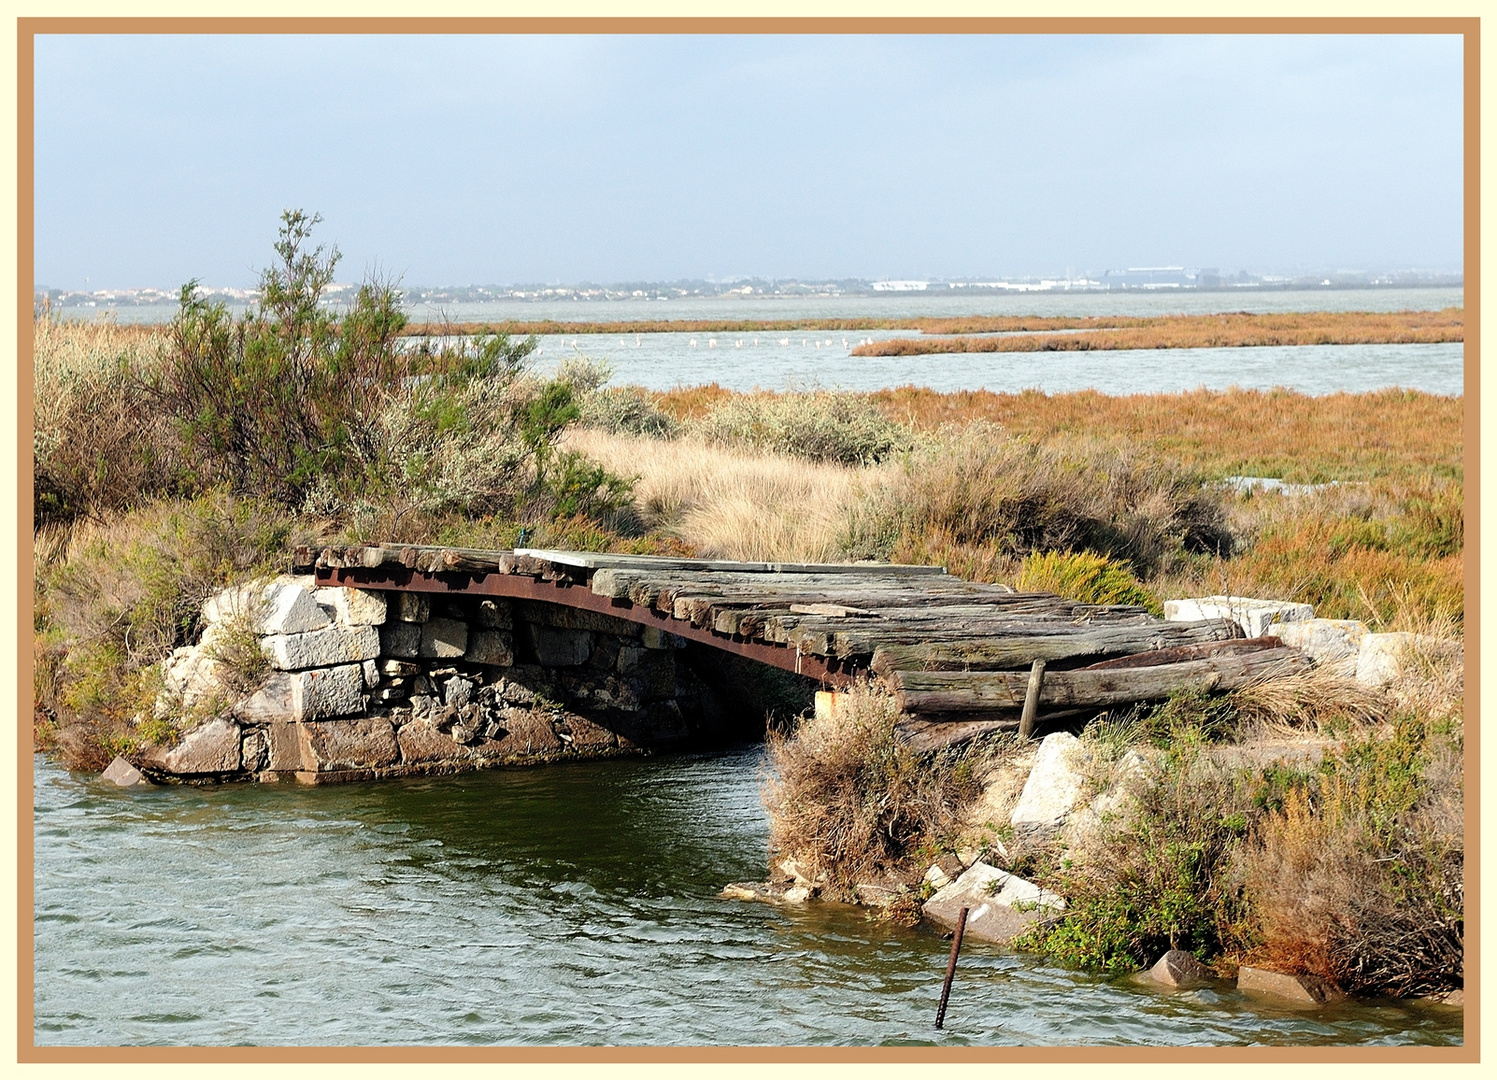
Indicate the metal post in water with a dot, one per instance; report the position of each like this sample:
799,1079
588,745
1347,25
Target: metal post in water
956,947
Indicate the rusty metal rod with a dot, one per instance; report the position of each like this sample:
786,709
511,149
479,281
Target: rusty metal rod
956,947
1031,699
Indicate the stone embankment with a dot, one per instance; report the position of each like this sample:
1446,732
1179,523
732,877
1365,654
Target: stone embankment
364,684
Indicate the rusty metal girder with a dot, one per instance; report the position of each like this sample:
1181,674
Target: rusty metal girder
394,578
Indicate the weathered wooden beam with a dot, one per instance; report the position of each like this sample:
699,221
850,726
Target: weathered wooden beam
994,691
994,654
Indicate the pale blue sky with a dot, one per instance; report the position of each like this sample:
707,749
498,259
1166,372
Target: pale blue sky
494,159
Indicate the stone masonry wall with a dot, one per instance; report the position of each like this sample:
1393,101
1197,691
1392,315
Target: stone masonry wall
368,684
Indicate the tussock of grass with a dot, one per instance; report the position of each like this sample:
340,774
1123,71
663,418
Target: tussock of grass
847,800
820,425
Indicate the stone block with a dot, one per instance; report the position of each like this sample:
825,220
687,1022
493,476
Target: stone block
354,607
1001,906
494,615
1179,970
412,607
124,774
252,750
322,648
283,605
400,638
526,732
290,697
1256,617
396,669
371,674
283,747
444,639
656,676
628,658
207,749
1384,658
569,618
1303,990
365,742
557,647
1331,643
653,637
492,647
1055,785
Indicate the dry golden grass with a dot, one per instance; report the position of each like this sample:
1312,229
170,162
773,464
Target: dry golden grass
1187,332
728,503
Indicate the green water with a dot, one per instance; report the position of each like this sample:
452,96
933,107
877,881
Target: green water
575,904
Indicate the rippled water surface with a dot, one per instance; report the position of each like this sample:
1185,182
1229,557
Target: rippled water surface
574,904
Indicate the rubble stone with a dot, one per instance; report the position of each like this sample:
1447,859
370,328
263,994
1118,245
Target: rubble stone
1001,906
1054,786
1303,990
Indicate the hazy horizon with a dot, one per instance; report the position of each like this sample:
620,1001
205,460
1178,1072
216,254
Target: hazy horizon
516,160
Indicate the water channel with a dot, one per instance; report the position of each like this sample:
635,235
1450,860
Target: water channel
575,904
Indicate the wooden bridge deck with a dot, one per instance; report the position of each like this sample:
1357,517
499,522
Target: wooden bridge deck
953,652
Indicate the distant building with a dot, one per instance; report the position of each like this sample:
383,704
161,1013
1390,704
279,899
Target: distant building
900,286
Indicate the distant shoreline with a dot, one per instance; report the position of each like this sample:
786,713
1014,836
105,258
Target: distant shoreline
1022,333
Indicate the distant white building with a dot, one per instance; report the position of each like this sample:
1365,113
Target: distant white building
900,286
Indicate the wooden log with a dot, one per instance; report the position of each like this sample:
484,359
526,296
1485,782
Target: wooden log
993,654
1031,699
989,691
922,736
1179,653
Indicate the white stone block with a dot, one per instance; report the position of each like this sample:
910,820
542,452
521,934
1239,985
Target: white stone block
321,648
1256,617
444,639
1383,657
1000,906
1331,643
294,696
1054,786
354,607
283,605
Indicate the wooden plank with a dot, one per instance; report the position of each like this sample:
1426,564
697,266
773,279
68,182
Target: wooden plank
594,560
986,691
993,654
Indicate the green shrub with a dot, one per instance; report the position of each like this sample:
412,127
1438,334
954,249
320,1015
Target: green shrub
1084,576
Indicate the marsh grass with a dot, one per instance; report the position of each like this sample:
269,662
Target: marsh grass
848,800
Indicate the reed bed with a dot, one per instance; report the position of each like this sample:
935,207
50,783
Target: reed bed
1191,332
